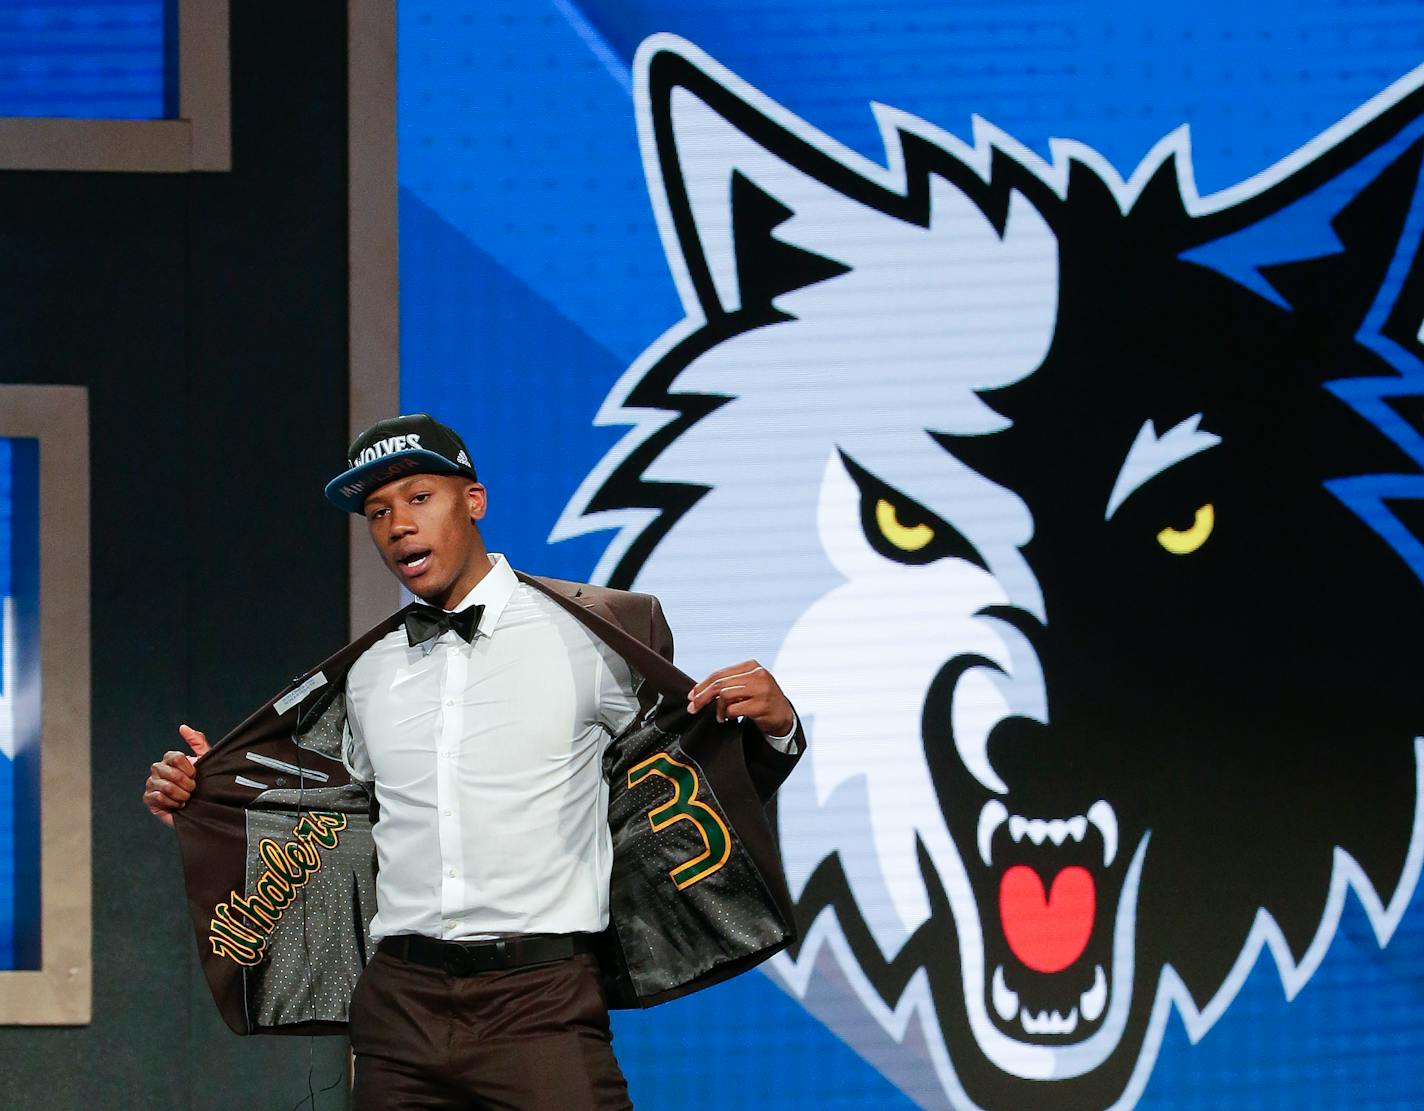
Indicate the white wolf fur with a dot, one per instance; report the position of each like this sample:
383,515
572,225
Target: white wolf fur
855,636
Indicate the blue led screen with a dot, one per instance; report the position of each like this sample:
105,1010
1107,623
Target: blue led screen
97,59
19,705
1036,390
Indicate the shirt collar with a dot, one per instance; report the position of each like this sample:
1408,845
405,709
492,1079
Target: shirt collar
493,592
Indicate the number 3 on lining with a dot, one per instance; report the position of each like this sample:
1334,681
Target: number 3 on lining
684,806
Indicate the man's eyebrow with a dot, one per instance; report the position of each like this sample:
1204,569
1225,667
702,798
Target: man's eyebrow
1151,454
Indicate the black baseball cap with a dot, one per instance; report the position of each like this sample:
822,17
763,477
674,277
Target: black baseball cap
416,443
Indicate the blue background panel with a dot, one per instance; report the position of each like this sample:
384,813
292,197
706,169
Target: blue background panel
97,59
19,704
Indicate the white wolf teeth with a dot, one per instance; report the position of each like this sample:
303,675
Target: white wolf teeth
1093,1002
1102,816
1095,998
1006,1001
990,819
1046,1022
1037,830
1018,827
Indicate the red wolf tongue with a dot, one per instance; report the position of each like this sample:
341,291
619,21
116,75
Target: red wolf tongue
1047,934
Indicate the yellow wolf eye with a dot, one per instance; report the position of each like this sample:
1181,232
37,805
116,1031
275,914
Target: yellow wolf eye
908,538
901,529
1186,541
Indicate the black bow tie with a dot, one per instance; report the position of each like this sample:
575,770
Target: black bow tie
426,622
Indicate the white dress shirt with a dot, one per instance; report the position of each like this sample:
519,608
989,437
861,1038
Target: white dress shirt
487,764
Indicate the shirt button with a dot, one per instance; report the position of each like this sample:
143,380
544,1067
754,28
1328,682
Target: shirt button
449,702
448,813
451,924
451,872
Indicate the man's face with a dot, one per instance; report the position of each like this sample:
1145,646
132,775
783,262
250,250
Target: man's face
423,526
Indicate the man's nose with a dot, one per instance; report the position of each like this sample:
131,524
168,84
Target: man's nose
401,524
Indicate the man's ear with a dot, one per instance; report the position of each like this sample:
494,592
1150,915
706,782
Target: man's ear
477,496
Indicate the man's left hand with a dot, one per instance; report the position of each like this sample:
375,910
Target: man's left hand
745,690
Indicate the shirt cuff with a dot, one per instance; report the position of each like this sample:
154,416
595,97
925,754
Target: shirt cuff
786,743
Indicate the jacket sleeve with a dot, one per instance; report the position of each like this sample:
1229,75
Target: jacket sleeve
769,766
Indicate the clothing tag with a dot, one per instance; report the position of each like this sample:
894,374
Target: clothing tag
291,698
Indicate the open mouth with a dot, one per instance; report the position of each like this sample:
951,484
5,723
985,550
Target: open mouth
1049,949
413,562
1045,904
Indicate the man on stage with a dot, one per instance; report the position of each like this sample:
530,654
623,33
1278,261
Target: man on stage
479,723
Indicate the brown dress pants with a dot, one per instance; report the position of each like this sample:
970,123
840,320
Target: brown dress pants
526,1039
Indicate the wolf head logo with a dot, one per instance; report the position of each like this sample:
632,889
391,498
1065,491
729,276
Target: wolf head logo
1081,518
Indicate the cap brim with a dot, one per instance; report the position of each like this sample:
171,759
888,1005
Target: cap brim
349,491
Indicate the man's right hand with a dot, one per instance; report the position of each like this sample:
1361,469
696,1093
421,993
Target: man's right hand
171,781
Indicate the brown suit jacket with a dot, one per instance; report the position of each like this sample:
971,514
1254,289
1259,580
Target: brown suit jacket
280,873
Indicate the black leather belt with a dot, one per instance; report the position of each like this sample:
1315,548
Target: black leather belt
464,958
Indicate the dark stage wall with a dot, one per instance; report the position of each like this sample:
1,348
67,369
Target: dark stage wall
207,315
